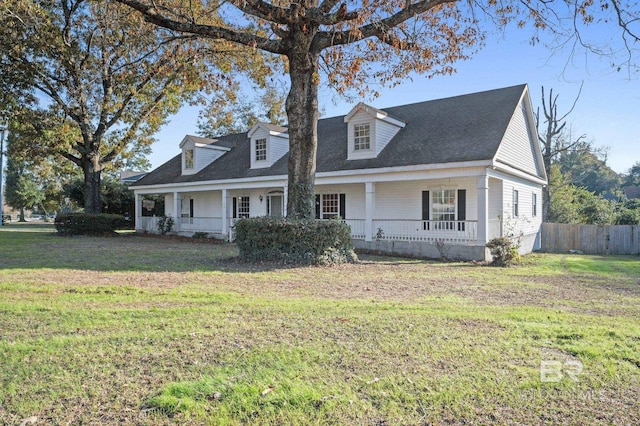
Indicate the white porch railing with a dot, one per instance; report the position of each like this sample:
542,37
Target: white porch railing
458,232
357,228
448,231
201,224
148,223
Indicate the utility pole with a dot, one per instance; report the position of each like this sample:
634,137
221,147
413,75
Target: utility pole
3,130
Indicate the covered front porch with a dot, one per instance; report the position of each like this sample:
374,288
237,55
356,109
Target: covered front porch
422,217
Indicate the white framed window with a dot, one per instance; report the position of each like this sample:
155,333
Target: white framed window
534,204
515,203
261,149
443,208
243,207
188,159
361,137
330,206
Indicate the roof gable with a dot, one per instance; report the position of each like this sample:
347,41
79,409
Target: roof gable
519,147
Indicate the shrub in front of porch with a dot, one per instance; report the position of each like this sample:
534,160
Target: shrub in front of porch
305,241
89,224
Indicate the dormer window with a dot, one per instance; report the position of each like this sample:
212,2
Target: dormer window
261,149
361,137
369,130
268,143
188,159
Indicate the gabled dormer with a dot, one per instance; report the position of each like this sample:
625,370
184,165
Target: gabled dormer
369,131
197,153
268,144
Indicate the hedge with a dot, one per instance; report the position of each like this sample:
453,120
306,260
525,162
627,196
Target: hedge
88,224
303,241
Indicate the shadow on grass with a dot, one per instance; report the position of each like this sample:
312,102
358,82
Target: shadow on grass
37,246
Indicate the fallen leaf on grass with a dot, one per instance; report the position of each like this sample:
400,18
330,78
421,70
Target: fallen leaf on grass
29,421
375,379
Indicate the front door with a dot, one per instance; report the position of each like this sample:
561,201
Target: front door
275,206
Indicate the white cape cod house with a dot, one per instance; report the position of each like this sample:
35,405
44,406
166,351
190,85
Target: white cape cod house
437,178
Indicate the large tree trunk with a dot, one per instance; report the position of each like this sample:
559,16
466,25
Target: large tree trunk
302,114
92,182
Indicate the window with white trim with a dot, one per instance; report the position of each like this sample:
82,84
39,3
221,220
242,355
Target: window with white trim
534,204
330,206
515,203
261,149
243,207
188,159
443,207
361,137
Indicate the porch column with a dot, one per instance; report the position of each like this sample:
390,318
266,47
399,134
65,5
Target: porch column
483,209
176,211
369,204
285,197
225,215
137,213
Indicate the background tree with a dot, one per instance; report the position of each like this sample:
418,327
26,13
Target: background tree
113,77
233,113
573,204
22,191
632,178
357,43
587,168
553,138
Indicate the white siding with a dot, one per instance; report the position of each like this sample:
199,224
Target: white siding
517,148
403,200
168,204
277,146
525,223
354,198
205,156
206,204
384,133
256,207
496,210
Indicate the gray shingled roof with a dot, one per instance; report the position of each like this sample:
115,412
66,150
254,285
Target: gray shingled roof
462,128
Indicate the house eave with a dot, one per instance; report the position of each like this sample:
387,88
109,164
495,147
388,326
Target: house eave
480,164
511,170
213,147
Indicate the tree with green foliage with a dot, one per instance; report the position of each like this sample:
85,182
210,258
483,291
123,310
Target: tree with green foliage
357,44
632,178
113,78
588,169
22,192
574,204
232,113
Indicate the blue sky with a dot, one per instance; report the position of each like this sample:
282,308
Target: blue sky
608,111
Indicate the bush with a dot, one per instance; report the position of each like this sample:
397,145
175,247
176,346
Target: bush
165,224
88,224
301,241
504,252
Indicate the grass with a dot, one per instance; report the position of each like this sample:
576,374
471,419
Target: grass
143,330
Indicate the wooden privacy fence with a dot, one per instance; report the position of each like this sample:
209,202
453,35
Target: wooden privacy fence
590,239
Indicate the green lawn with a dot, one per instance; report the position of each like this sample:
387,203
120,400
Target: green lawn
143,330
